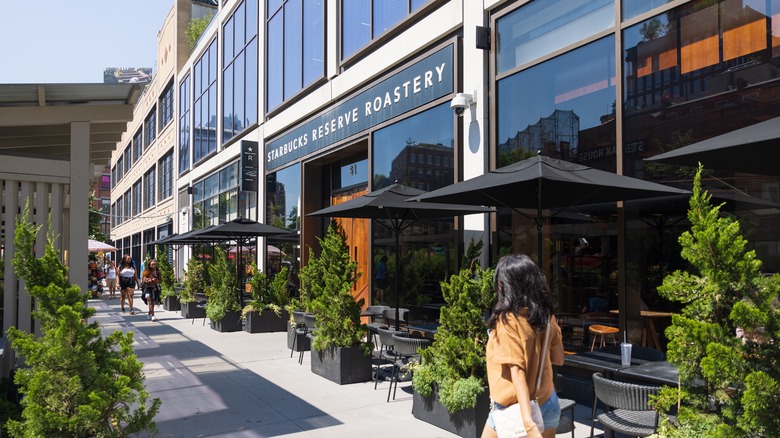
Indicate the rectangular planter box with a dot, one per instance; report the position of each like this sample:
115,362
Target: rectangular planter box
266,322
171,304
190,310
302,342
231,322
342,365
467,423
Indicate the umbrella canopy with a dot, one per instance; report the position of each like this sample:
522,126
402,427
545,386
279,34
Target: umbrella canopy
544,182
96,246
742,150
240,230
390,204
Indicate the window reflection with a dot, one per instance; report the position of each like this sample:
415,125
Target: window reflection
283,195
359,27
573,112
428,249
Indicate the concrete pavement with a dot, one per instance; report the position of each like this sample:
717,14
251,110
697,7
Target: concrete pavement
246,385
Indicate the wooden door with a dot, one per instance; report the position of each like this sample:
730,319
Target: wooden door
359,244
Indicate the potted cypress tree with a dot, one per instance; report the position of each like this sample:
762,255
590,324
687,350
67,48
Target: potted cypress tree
450,383
194,286
267,311
167,291
339,352
222,307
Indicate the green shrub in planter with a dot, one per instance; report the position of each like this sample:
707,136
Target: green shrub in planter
166,273
274,297
456,363
195,281
222,292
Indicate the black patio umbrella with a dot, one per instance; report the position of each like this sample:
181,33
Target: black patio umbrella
545,183
240,230
744,150
389,204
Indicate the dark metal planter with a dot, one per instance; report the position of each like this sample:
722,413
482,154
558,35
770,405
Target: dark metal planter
231,322
266,322
467,423
342,365
171,304
191,310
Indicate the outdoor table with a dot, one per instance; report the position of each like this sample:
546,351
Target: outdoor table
598,361
661,373
427,330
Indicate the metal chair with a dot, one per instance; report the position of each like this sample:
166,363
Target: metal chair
299,329
407,350
390,316
567,420
626,407
309,329
374,325
386,349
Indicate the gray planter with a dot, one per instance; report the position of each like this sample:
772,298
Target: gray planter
302,342
266,322
467,423
191,310
342,365
231,322
171,304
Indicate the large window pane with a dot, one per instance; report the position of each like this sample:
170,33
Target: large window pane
240,67
632,8
356,26
313,44
293,55
544,26
275,64
571,109
387,13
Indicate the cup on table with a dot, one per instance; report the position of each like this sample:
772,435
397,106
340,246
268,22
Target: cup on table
625,353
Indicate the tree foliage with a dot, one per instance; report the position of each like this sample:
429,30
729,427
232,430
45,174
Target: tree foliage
223,290
194,282
274,296
166,273
456,362
327,282
725,340
196,28
75,382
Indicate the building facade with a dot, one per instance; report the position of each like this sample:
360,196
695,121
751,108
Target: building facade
340,98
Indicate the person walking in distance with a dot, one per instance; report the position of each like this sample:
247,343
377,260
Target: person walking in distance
152,279
518,326
128,279
111,279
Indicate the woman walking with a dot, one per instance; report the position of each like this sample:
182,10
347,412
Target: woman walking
152,279
128,279
518,326
111,279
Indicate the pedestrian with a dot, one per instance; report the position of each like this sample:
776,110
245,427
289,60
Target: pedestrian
380,279
518,324
128,279
151,290
111,279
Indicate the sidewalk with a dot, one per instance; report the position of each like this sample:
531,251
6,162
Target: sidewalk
246,385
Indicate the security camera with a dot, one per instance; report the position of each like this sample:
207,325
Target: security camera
460,103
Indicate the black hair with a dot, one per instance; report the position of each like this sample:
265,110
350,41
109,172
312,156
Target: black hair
519,284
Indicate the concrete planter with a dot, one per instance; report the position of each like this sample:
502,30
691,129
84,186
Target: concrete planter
266,322
171,304
342,365
191,310
231,322
467,423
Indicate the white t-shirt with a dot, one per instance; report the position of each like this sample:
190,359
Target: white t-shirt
127,272
111,274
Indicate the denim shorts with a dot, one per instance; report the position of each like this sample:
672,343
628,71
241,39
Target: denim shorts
551,413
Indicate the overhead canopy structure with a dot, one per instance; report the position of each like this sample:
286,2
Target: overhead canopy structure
53,139
750,149
96,246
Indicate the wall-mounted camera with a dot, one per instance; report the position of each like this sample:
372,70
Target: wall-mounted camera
461,102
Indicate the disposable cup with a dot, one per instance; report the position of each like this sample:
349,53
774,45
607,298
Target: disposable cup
625,353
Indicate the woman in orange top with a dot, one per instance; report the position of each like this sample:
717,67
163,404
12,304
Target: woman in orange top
518,323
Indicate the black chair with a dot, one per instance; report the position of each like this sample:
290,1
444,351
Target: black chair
407,351
376,321
386,349
567,408
202,307
390,316
299,329
626,407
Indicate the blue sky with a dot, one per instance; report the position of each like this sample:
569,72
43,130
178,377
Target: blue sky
56,41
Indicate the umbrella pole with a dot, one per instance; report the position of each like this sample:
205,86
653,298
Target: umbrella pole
395,280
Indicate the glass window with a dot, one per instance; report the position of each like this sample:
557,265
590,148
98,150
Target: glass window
429,248
283,192
128,206
137,198
120,168
205,104
632,8
166,176
228,177
128,159
138,144
573,112
184,124
295,47
113,177
149,189
211,186
358,27
544,26
150,128
166,106
239,75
